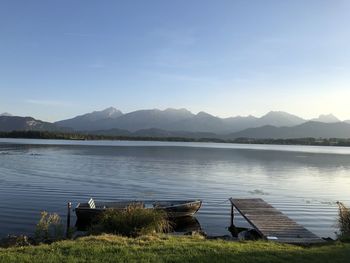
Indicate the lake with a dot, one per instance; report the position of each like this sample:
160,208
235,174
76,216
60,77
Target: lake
304,182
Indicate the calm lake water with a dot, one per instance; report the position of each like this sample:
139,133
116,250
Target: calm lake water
302,181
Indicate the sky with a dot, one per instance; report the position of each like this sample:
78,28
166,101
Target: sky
61,58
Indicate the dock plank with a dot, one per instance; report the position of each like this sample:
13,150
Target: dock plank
272,224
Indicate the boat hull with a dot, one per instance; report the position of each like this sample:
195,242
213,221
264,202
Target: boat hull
173,209
184,210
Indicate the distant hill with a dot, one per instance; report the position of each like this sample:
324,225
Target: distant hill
279,119
91,121
308,129
239,123
326,118
15,123
6,114
147,119
156,133
273,118
201,122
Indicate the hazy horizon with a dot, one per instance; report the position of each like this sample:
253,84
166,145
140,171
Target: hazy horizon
60,59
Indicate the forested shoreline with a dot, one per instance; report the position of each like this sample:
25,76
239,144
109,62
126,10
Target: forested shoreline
88,136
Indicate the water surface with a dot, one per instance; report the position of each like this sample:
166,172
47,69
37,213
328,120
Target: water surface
302,181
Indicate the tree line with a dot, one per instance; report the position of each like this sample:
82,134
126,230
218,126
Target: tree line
87,136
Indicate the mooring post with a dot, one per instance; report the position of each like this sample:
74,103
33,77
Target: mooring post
69,206
232,214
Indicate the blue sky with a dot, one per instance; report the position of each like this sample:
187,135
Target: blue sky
63,58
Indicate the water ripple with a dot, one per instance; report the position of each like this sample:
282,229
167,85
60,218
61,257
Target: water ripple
44,177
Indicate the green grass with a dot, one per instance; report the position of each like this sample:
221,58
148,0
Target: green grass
162,248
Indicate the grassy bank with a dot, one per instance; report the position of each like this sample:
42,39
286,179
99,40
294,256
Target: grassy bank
108,248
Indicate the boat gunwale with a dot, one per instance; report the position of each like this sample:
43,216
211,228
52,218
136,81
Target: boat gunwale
198,201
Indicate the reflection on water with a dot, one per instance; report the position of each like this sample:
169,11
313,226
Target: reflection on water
303,184
186,224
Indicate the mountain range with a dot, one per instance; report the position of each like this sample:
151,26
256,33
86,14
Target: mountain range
183,123
175,120
310,129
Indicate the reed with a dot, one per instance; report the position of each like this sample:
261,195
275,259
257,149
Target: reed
343,221
49,228
132,221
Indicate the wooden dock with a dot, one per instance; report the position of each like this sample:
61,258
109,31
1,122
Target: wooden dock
272,224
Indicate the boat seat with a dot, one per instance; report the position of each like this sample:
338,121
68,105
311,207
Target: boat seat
92,203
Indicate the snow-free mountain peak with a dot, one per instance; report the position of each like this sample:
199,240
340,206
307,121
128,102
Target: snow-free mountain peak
280,119
326,118
181,113
205,115
178,110
16,123
6,114
88,121
111,112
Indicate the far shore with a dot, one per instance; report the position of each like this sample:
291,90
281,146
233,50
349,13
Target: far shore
87,137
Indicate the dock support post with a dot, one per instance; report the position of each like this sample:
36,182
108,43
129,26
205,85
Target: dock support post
232,215
69,206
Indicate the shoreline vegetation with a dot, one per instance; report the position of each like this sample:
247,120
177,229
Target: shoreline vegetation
150,244
87,136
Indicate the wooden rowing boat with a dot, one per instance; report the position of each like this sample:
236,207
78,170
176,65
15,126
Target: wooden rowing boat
173,208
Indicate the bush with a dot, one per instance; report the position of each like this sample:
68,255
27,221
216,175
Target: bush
49,228
132,221
343,221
